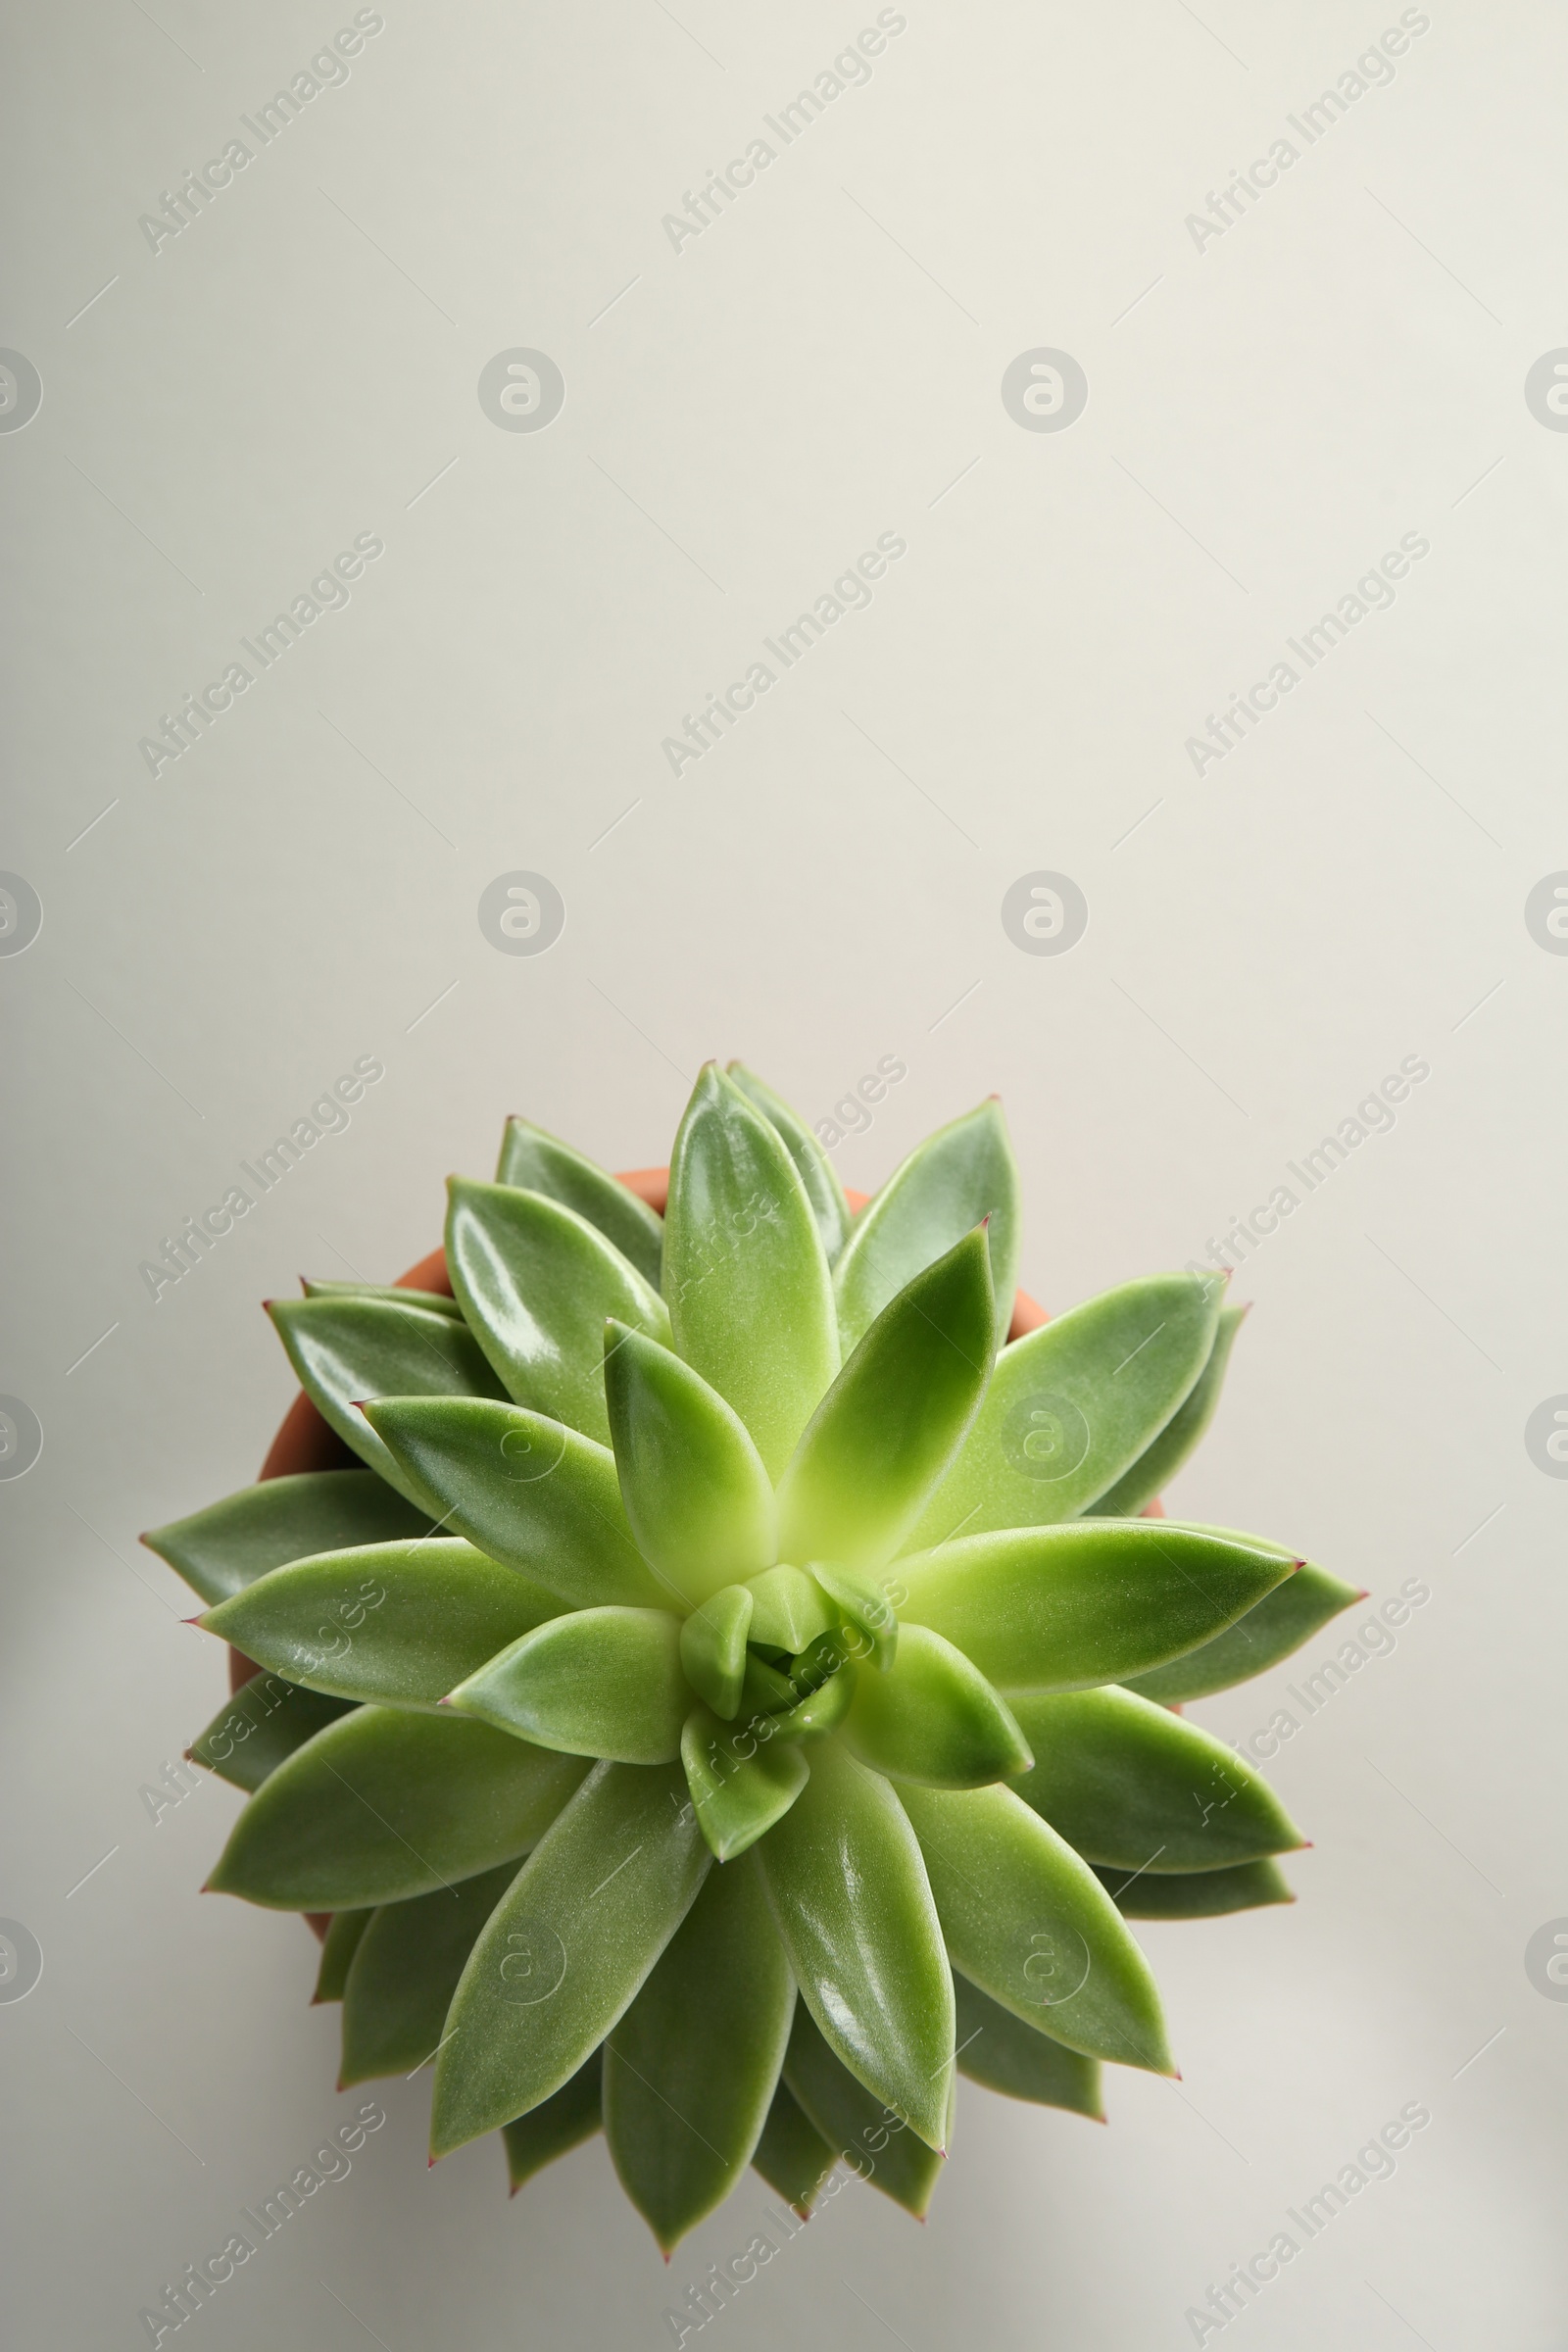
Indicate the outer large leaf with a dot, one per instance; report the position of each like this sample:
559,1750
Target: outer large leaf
958,1177
1031,1925
264,1722
394,1623
1061,1608
700,1502
1158,1465
598,1683
882,1438
405,1971
534,1494
1070,1406
935,1719
792,2155
849,1890
536,1282
741,1783
1198,1894
229,1544
1000,2050
745,1272
1266,1634
816,1171
558,2124
871,2139
347,1351
383,1805
690,2069
541,1163
565,1953
1127,1782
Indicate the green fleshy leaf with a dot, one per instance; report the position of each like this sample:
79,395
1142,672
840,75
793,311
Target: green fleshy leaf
864,1612
404,1972
1126,1782
556,2126
338,1948
792,2155
745,1273
741,1780
537,1162
1073,1403
260,1728
1100,1600
348,1350
1154,1468
383,1805
1277,1624
1198,1894
533,1493
949,1183
437,1303
816,1171
700,1502
884,1435
692,2067
788,1610
935,1719
850,1894
569,1949
396,1624
1000,2050
713,1648
537,1282
871,2139
598,1683
220,1550
825,1679
1031,1925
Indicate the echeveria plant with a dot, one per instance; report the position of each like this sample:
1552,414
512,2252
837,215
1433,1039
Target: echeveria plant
738,1693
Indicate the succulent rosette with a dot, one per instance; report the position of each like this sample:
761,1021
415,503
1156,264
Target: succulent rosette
738,1692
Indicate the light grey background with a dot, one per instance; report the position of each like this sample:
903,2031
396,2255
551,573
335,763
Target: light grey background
1266,416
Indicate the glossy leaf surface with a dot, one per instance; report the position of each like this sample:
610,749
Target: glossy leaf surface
1268,1631
338,1948
347,1351
816,1171
741,1780
569,1949
958,1177
383,1805
406,1971
934,1718
597,1683
534,1494
260,1726
396,1624
228,1546
1126,1782
1071,1405
537,1282
1062,1608
884,1435
713,1648
700,1502
538,1162
690,2069
1158,1465
1197,1895
556,2126
792,2155
1000,2050
745,1272
1031,1925
872,2139
849,1895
